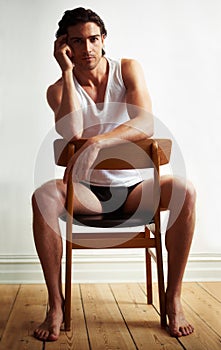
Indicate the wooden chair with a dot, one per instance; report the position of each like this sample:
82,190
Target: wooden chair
153,153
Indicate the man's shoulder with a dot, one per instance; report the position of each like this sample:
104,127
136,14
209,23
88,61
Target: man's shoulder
130,68
54,92
123,61
55,86
129,62
54,89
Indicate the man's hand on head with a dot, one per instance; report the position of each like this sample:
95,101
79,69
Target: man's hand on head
63,53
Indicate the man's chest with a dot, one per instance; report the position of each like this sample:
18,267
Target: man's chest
97,93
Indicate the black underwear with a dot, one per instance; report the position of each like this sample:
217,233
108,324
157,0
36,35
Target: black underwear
112,198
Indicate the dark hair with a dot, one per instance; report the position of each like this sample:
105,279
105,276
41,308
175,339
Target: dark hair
79,15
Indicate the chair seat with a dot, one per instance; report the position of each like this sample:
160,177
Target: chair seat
108,220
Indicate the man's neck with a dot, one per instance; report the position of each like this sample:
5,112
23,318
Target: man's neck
94,76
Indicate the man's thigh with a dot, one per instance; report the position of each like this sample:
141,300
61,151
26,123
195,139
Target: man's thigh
141,198
85,201
54,192
171,193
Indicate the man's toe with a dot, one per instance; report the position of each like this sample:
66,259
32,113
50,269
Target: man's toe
41,334
190,329
52,337
184,330
175,332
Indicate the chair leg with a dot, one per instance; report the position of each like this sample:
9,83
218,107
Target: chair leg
157,233
68,267
160,275
68,273
149,287
149,277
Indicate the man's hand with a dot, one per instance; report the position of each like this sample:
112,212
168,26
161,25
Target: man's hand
80,164
63,53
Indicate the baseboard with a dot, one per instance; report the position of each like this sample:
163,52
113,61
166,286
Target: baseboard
106,266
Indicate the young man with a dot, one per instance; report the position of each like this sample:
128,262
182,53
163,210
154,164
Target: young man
82,101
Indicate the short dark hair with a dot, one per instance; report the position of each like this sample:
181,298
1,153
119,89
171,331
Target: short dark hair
79,15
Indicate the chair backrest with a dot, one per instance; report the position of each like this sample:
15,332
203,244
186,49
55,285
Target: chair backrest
125,155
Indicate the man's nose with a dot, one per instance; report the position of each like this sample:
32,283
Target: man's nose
87,46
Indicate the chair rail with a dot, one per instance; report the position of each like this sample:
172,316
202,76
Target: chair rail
126,155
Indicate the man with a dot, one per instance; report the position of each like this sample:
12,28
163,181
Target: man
81,99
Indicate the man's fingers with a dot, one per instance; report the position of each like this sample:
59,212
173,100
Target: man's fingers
63,48
61,39
69,51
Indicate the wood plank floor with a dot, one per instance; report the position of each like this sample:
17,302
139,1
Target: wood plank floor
109,317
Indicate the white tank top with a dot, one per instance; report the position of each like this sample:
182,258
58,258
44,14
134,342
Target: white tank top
103,117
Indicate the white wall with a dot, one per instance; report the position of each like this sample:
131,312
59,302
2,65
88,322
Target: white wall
177,42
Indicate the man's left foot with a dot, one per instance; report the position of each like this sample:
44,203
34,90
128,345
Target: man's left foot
178,325
49,330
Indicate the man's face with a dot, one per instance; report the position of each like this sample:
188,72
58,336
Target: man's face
86,43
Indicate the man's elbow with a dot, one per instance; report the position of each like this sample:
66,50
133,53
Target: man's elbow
69,134
150,134
151,128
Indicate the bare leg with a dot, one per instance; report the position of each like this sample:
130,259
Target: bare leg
48,204
178,240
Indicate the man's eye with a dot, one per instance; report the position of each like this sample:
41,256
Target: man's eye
94,39
76,41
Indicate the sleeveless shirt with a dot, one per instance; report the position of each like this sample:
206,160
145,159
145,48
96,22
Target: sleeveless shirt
99,118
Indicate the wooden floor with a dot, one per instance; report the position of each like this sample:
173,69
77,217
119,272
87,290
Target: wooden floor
108,317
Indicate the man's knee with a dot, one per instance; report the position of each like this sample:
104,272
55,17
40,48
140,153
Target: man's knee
41,194
190,194
178,192
49,194
187,194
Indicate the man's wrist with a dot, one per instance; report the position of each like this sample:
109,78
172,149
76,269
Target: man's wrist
67,73
103,141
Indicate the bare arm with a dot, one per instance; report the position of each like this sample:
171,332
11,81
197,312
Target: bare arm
62,96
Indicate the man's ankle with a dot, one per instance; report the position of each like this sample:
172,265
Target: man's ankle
173,294
56,304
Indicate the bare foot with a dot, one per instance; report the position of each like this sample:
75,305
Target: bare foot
49,330
178,325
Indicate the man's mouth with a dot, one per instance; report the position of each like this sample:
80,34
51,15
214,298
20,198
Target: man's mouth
88,57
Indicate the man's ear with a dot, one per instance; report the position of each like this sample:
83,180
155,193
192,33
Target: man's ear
103,36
